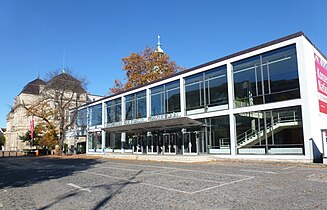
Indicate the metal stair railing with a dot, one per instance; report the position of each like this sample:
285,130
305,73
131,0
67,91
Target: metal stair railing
282,117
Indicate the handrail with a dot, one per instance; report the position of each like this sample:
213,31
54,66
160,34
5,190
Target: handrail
224,142
285,117
278,120
244,101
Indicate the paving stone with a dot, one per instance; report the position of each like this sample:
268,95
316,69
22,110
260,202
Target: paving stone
56,183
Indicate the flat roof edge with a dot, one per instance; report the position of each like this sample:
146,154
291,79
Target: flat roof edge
273,42
292,36
315,46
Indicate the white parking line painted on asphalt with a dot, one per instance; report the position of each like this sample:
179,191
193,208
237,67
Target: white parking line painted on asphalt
78,187
183,177
158,172
224,184
142,183
184,169
105,175
283,169
172,189
142,165
134,170
123,169
165,188
264,172
165,173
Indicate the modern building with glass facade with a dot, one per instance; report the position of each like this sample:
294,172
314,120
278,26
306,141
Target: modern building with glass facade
265,102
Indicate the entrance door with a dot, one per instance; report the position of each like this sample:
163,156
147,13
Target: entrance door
137,144
169,143
144,144
179,143
152,144
191,141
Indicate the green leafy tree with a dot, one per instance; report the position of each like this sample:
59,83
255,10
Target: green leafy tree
27,138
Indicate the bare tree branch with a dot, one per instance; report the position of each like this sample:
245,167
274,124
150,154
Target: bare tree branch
61,93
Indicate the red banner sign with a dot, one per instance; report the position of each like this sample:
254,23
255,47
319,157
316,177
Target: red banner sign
321,72
32,128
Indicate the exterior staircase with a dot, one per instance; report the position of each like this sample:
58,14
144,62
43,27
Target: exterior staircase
281,122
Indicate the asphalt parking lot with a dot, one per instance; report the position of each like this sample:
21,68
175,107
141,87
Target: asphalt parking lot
96,183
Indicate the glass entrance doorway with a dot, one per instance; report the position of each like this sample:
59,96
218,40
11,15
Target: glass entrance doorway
152,146
191,142
164,143
169,143
139,144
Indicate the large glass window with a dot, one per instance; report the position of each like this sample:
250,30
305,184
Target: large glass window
81,120
130,107
265,78
165,99
218,135
206,89
95,141
95,113
277,131
113,141
136,105
114,110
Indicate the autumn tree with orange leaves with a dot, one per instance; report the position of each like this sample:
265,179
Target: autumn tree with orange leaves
144,67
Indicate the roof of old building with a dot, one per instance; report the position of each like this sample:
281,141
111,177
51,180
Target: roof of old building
33,87
65,81
62,80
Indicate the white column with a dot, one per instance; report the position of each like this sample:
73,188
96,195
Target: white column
123,114
232,123
148,104
123,139
232,133
182,96
308,87
123,109
87,129
103,125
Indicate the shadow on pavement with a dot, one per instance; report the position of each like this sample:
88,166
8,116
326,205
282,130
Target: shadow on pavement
114,189
111,189
59,199
26,171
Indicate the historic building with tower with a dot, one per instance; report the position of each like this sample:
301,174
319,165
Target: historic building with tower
18,119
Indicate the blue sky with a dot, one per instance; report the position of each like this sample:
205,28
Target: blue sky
96,34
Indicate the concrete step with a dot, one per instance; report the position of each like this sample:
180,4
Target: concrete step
161,158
